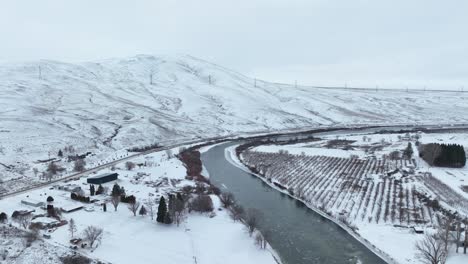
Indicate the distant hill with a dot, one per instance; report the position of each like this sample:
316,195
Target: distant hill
114,104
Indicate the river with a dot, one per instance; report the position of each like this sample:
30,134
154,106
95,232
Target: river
298,234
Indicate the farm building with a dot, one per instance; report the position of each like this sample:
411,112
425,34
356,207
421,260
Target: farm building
32,202
103,178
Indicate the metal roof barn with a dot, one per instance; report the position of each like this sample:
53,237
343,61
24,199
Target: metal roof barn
103,178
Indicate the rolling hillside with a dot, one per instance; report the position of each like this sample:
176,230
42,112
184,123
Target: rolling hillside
109,105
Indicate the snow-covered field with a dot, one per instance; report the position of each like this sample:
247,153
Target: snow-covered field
201,238
105,107
347,177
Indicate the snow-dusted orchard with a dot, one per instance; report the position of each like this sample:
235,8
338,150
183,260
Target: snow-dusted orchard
346,186
361,182
106,107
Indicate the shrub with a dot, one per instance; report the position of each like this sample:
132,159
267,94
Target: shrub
227,199
77,197
79,165
201,203
129,165
127,199
50,199
192,162
214,190
75,259
200,188
100,190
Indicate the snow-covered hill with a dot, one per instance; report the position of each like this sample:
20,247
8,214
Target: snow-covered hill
112,104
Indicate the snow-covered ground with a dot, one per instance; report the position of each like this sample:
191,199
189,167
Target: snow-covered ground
201,238
105,107
346,176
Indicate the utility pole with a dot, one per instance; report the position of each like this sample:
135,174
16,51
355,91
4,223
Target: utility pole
209,79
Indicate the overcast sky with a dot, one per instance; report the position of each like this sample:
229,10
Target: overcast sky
394,43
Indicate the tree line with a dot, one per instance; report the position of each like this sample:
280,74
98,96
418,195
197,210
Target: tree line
443,155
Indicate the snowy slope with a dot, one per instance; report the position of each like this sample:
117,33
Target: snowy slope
110,105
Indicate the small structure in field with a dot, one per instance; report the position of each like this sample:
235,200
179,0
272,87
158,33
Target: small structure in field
70,188
103,178
68,208
32,202
46,222
418,230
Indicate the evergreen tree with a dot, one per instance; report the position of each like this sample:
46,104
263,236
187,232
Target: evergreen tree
116,190
104,207
92,190
408,152
100,190
60,153
142,210
162,210
3,217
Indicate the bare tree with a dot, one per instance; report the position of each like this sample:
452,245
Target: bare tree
129,165
23,220
169,153
444,231
115,201
52,168
237,212
431,250
179,209
72,227
150,203
79,165
227,199
457,236
465,243
266,237
93,234
252,219
133,207
31,236
259,240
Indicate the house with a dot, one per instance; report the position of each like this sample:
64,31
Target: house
103,178
32,202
